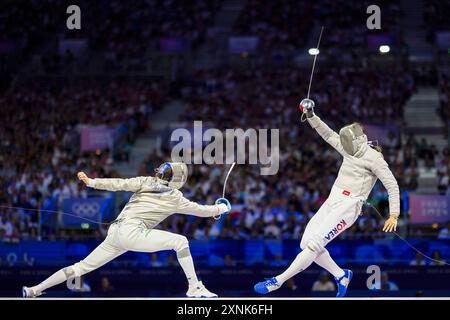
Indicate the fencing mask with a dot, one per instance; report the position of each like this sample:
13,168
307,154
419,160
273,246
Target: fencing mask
175,173
353,140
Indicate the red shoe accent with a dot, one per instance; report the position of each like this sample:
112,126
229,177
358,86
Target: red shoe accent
346,193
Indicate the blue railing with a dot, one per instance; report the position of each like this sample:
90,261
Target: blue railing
228,252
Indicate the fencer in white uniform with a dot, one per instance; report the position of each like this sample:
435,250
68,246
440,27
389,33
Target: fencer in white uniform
361,167
154,199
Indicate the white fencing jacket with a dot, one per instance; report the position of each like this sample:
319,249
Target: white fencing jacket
357,176
153,201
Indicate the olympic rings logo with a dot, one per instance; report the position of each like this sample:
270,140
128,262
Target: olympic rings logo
85,209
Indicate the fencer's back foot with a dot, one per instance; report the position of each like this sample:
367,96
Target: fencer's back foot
343,283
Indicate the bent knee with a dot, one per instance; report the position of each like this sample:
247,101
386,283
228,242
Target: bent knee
314,244
73,271
180,243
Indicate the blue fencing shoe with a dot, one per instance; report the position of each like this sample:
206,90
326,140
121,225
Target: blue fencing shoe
343,282
267,286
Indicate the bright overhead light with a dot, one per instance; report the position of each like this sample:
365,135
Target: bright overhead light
384,49
313,51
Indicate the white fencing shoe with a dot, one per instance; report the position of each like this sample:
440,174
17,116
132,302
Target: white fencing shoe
29,293
199,291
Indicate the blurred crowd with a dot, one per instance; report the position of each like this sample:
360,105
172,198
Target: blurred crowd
120,27
436,13
444,93
37,20
279,24
111,31
40,148
422,150
346,26
276,24
443,162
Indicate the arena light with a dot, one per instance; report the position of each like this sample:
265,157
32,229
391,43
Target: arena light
313,51
384,49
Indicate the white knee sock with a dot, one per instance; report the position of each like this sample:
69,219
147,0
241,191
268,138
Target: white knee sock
188,267
325,261
301,262
56,278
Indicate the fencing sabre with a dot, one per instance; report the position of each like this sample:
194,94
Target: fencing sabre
302,118
224,187
406,241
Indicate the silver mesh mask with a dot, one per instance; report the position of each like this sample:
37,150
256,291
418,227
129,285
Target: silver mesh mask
179,173
352,138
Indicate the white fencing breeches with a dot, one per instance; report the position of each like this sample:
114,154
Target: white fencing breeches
338,213
129,236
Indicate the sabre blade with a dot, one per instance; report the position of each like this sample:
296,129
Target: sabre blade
226,179
225,187
314,62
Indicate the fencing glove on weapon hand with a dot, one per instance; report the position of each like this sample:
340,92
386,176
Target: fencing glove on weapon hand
307,107
225,202
173,173
353,140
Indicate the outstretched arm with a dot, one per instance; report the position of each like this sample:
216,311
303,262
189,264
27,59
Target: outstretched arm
382,171
186,206
331,137
132,184
326,133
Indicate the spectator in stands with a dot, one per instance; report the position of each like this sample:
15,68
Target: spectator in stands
391,141
423,148
444,183
106,289
291,286
410,151
323,283
291,229
228,261
171,261
385,284
436,255
411,176
418,261
444,233
272,230
154,261
278,261
7,229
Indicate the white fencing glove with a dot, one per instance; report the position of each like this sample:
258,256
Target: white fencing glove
224,203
